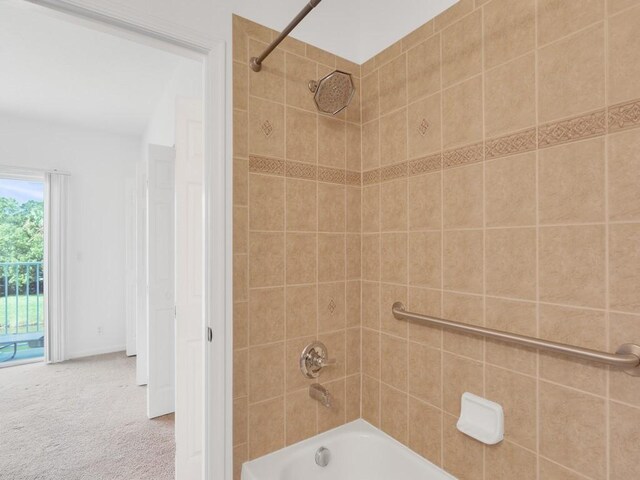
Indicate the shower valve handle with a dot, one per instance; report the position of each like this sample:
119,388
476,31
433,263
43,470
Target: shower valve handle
321,362
314,358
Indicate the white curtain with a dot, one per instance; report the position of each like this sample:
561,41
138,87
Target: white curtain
55,261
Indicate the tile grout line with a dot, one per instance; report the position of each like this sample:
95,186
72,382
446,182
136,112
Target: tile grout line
379,259
360,309
607,80
442,249
537,227
573,33
317,235
496,297
346,274
248,266
458,229
406,226
286,266
581,475
484,222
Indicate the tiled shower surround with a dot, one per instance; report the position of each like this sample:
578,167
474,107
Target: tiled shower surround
297,191
497,182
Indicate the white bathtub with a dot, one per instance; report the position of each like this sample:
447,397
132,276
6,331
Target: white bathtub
359,451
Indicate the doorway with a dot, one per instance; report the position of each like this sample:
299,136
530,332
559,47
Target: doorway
89,323
22,312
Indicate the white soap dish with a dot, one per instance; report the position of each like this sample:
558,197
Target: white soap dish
481,419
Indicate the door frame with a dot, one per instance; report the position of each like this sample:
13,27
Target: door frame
218,403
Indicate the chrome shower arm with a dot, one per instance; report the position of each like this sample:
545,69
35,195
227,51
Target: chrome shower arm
256,62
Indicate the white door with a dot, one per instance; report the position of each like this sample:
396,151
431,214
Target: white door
142,371
189,291
130,264
160,280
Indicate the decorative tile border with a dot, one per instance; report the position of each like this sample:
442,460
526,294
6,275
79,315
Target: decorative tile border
353,178
302,170
463,156
577,128
392,172
331,175
615,118
305,171
270,166
370,177
432,163
513,144
624,115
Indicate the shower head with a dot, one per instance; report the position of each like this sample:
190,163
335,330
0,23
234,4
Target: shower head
333,93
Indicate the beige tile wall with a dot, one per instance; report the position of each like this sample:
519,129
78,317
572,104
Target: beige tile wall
296,244
487,172
501,186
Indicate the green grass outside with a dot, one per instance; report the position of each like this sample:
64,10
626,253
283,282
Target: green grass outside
8,314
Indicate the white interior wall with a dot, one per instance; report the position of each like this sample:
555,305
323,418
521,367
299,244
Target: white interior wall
185,82
98,164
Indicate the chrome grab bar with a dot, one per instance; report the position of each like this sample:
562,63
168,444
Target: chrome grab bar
627,356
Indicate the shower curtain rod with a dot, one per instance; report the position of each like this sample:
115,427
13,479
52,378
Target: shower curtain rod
256,62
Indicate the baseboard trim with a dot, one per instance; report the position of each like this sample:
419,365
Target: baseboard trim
97,351
26,361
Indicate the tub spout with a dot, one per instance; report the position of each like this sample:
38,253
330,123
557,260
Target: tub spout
321,394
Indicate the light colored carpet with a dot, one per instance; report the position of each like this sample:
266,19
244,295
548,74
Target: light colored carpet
81,420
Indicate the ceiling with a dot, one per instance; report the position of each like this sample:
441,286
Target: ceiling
353,29
55,69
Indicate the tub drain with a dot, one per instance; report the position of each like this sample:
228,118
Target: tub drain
323,455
